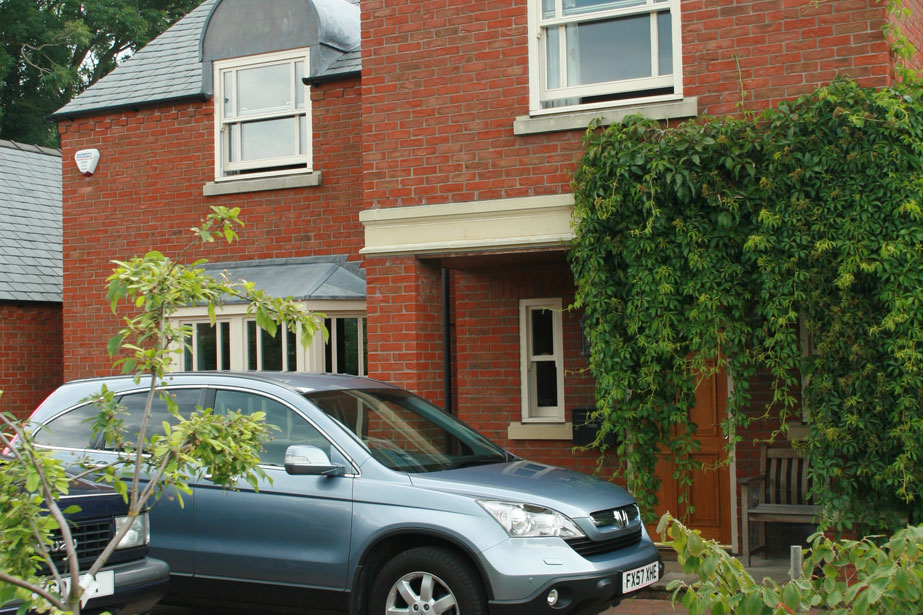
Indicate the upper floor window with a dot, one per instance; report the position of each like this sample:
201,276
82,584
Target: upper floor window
262,115
599,52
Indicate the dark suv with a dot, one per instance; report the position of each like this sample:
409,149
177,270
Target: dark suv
131,582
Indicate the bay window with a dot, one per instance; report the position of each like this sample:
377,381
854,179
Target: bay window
235,342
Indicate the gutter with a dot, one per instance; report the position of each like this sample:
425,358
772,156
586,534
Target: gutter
132,106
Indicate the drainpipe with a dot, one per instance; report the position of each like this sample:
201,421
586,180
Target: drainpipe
446,341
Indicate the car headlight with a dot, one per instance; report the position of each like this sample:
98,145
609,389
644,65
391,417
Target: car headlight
527,520
139,532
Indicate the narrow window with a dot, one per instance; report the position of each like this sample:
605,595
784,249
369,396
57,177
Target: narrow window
541,360
345,351
209,348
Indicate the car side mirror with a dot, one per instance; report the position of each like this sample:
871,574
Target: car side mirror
310,460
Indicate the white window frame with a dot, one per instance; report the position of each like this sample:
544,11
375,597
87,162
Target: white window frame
226,170
538,90
309,359
281,331
219,339
363,323
531,412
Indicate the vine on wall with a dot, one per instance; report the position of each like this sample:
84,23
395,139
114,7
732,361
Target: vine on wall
727,243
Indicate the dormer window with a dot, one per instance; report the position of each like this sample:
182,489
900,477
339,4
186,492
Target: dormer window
262,115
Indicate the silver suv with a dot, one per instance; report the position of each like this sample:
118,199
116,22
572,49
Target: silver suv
380,503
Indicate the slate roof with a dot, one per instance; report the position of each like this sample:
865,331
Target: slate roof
168,68
315,277
30,223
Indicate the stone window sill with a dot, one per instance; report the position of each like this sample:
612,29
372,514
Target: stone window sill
579,120
540,431
282,182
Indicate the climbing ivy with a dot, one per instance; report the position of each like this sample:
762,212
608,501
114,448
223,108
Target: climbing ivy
787,246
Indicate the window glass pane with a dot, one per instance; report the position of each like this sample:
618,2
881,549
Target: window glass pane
664,43
609,50
264,89
268,139
293,428
187,359
576,7
328,347
547,9
225,345
299,86
271,348
347,340
206,347
234,145
553,57
251,345
365,348
133,404
542,332
303,135
227,78
546,383
70,429
291,351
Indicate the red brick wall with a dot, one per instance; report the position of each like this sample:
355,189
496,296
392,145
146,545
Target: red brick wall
783,49
404,308
487,355
31,360
147,193
443,81
912,27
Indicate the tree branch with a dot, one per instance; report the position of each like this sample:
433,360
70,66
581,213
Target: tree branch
35,589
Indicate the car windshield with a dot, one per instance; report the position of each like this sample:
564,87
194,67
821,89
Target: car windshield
406,433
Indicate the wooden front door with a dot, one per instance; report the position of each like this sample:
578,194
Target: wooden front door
711,488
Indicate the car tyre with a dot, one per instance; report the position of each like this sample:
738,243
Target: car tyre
427,581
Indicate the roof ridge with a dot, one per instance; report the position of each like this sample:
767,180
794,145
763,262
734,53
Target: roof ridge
26,147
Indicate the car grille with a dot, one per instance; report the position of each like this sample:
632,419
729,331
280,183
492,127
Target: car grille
622,517
588,546
91,536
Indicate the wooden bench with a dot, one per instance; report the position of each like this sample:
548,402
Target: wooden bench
783,490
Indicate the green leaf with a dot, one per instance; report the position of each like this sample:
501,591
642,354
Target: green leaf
696,545
115,342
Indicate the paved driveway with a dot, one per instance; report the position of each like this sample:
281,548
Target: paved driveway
634,606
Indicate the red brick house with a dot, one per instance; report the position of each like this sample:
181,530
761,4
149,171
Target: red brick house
405,169
30,275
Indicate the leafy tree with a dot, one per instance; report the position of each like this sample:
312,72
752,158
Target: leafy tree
849,577
226,447
51,50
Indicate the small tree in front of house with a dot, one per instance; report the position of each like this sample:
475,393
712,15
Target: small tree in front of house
224,446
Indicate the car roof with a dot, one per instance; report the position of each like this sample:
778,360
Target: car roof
303,382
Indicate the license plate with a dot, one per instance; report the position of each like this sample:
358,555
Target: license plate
103,585
640,577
